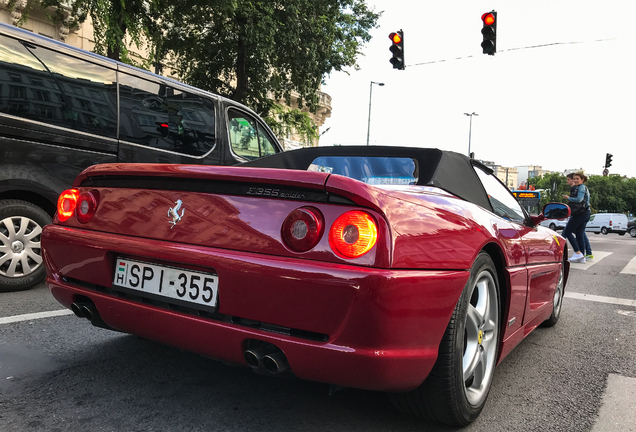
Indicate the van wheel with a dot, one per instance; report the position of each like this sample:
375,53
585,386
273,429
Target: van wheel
604,231
21,265
553,226
456,390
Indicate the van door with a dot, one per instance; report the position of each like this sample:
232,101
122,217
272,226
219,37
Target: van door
162,123
592,224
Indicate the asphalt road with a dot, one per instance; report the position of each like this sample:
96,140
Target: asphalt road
58,373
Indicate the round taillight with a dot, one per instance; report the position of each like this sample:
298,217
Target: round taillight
66,204
302,229
353,234
86,206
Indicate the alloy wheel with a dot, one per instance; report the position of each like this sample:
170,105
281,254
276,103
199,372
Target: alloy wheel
480,340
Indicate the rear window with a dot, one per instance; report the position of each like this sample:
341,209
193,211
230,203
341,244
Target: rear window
369,169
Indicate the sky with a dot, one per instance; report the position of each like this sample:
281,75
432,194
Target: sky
560,106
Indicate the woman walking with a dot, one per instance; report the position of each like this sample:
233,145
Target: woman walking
580,214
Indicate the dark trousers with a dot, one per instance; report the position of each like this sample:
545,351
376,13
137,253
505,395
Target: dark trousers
576,226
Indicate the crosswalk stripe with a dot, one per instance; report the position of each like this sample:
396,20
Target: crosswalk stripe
601,299
630,268
598,256
617,413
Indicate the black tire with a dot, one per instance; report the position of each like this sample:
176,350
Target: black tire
621,233
445,396
632,232
604,231
557,301
553,226
21,265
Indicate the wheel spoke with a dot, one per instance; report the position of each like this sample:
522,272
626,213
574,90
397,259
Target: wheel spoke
12,266
34,256
471,360
5,258
8,223
483,301
26,269
22,227
474,319
36,232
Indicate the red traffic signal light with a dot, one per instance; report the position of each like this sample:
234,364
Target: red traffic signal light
489,31
395,38
488,18
397,49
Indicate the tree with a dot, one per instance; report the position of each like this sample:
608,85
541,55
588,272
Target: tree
261,52
553,187
113,22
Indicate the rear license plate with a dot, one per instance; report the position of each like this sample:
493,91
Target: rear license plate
167,282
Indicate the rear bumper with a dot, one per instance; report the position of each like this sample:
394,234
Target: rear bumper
382,327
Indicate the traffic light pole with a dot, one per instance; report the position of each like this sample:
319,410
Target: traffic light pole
370,95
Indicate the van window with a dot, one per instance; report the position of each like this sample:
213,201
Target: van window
43,85
165,118
248,138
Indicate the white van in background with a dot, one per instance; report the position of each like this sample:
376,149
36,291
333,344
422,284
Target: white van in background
607,223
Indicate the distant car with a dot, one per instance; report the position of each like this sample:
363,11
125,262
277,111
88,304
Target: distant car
631,227
554,224
411,271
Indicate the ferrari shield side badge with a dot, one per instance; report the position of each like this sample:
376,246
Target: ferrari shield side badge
174,213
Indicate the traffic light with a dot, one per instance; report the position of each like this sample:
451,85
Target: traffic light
489,31
397,48
608,160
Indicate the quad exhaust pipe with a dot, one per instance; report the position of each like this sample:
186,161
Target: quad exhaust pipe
270,359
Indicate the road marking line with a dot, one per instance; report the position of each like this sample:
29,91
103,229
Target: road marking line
601,299
617,410
598,255
34,316
630,268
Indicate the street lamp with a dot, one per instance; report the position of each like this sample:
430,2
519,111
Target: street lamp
470,128
370,93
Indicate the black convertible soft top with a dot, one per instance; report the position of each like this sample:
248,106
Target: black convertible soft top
446,170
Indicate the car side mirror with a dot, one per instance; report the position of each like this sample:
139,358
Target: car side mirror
556,211
552,211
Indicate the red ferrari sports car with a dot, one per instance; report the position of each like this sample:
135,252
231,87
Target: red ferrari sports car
411,271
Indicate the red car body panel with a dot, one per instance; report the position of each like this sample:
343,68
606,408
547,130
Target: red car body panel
382,315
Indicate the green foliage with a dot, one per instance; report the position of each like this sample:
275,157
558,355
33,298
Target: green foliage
257,51
113,21
613,194
283,121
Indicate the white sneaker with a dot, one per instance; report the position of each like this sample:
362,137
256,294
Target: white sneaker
578,261
577,257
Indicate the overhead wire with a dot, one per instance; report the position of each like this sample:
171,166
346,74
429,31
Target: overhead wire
511,49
